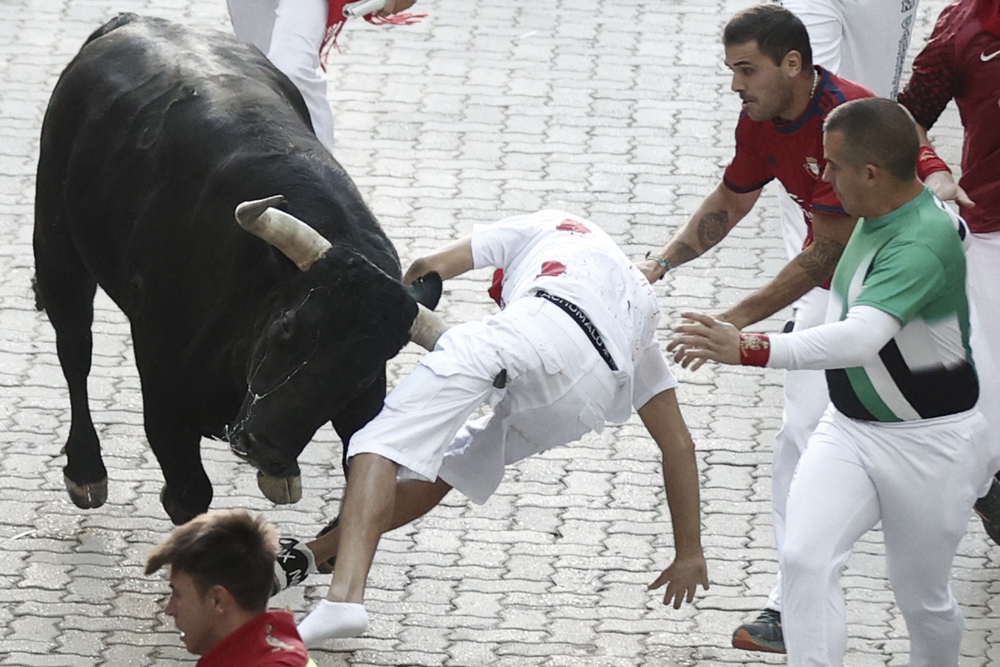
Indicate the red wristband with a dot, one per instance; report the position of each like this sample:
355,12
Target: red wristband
929,163
755,349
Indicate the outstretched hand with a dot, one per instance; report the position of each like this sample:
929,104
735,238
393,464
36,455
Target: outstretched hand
682,579
700,337
942,183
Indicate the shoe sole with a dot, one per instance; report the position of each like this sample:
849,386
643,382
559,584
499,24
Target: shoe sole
743,640
991,528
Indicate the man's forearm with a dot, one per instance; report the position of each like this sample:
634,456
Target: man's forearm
450,260
812,267
662,418
714,218
703,231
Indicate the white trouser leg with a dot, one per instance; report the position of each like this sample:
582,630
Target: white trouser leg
253,21
920,479
983,262
831,504
861,40
793,222
806,398
299,28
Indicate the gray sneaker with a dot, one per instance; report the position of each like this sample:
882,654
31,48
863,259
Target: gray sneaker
764,634
988,509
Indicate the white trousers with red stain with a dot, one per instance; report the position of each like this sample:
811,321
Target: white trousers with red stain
290,33
920,480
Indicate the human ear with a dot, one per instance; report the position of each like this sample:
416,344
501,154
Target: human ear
220,598
792,63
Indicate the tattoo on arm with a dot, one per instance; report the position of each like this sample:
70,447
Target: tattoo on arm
683,253
712,228
820,259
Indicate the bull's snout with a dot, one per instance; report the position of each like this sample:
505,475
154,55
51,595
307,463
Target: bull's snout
264,456
278,478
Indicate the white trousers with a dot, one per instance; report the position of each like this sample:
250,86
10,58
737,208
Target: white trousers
983,266
806,398
290,33
557,389
861,40
920,479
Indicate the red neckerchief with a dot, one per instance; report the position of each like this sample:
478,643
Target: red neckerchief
335,21
496,287
266,640
988,12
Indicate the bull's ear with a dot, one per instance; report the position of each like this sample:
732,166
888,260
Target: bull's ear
426,289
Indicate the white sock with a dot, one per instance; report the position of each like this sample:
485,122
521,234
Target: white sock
333,620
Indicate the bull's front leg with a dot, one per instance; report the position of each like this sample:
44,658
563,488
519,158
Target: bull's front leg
359,412
187,491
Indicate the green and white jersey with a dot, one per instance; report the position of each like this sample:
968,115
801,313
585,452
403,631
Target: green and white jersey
909,264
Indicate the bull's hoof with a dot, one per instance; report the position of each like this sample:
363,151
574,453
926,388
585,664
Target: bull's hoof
178,515
87,496
280,490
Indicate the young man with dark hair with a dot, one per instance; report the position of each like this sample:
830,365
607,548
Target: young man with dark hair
222,566
779,136
902,441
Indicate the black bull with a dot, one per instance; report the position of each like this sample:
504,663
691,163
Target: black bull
153,136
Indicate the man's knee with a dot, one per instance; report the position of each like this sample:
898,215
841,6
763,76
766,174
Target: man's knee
804,563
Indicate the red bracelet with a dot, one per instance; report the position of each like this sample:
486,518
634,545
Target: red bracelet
755,349
929,163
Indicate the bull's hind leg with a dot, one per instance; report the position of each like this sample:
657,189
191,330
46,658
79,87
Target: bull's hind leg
65,290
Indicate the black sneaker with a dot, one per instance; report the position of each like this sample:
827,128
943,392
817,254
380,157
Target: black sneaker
326,567
988,509
764,634
294,563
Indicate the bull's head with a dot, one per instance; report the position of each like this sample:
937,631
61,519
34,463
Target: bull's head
324,343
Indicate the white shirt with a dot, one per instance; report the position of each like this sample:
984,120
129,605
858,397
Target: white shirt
575,259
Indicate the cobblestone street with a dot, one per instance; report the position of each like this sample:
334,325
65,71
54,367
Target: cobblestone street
617,110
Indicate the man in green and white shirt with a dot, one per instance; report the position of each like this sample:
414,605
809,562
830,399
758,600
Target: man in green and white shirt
907,264
902,441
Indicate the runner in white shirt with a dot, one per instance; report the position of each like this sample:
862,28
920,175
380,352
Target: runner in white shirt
573,348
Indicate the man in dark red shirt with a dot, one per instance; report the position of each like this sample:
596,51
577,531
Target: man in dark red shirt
961,61
779,136
221,576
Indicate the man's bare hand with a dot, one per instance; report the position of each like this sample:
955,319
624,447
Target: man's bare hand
700,337
682,579
943,184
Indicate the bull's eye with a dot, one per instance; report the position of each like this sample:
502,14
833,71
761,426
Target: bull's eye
286,324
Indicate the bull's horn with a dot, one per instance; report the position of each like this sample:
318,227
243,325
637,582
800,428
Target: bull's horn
298,241
427,327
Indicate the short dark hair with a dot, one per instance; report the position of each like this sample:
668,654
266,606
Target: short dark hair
879,132
776,30
228,548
